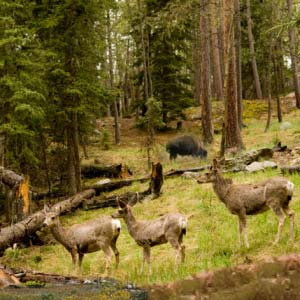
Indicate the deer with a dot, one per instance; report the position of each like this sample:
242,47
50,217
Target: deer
253,198
168,228
93,235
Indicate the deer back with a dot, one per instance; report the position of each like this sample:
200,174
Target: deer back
155,231
103,228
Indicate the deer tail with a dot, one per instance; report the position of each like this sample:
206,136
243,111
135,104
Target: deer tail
116,225
183,224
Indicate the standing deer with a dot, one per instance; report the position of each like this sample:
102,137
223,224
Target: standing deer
93,235
250,199
168,228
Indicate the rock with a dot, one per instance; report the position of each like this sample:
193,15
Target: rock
254,167
285,125
269,164
259,166
190,175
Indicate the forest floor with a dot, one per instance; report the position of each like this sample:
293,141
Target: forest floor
211,240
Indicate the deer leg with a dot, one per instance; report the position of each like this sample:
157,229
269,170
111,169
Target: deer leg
243,229
290,213
73,253
281,218
80,258
116,252
108,254
180,251
146,257
239,232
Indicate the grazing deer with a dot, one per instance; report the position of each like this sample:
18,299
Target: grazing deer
93,235
168,228
250,199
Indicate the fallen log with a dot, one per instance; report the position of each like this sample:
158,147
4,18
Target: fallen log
131,198
10,178
113,171
112,201
173,173
21,230
290,169
114,185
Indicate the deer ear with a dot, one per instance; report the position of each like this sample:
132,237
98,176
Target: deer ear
122,204
57,210
46,208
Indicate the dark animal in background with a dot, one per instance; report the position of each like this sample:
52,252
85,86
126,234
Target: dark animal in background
185,145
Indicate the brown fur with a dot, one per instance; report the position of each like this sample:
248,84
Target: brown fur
250,199
87,237
167,228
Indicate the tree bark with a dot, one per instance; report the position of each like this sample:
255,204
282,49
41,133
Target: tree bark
233,138
238,48
196,55
276,81
111,79
269,85
252,52
145,70
215,49
205,91
294,58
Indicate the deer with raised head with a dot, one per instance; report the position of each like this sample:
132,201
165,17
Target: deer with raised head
251,199
93,235
167,228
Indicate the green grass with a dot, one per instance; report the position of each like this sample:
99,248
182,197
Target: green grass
211,240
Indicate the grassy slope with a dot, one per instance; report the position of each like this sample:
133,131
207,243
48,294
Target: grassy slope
211,240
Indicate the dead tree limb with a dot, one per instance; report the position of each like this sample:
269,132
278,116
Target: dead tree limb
173,173
10,178
290,169
21,230
17,199
131,198
113,171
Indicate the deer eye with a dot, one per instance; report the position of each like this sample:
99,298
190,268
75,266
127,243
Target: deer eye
52,218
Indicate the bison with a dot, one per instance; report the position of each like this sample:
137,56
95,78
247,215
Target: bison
185,145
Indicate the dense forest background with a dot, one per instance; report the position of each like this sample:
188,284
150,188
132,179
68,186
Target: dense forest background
65,64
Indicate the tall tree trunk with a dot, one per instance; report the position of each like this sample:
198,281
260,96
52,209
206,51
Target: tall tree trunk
75,142
293,54
221,38
71,164
252,52
74,176
269,86
205,91
196,55
143,42
238,48
111,75
217,70
233,138
276,81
